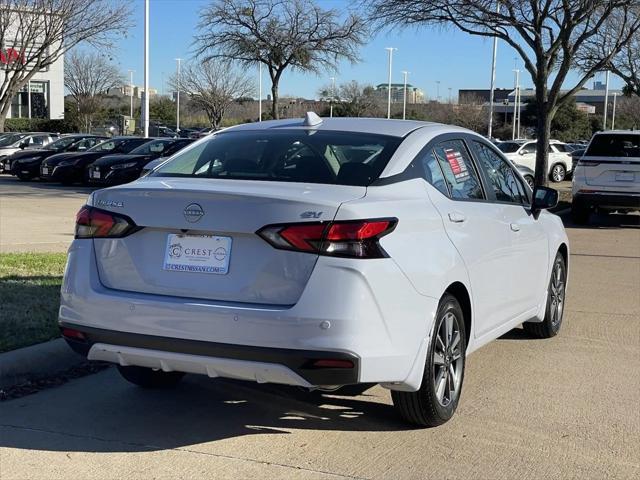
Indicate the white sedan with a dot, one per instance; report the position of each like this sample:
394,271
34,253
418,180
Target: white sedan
319,253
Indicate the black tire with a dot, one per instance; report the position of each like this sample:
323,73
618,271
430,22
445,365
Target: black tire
23,177
558,173
554,312
580,212
425,407
530,180
148,378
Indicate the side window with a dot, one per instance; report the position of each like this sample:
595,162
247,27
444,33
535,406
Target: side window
39,140
529,148
459,172
432,172
502,178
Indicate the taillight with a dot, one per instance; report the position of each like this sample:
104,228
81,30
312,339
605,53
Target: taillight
92,222
352,238
587,163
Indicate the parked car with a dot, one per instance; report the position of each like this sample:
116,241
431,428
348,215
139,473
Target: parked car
607,176
280,252
577,155
26,164
524,153
528,175
70,167
16,142
124,168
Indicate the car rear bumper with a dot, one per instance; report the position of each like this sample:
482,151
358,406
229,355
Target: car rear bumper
338,316
609,199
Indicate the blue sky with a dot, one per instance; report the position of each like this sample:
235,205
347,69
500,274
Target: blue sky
455,59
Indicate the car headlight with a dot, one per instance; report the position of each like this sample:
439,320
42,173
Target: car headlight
27,159
67,163
123,165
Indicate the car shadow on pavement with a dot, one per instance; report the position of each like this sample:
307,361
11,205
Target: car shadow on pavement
605,221
103,413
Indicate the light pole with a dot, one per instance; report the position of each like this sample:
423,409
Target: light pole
404,98
516,107
146,69
438,91
131,93
493,79
390,50
178,60
613,111
331,95
450,101
606,100
259,91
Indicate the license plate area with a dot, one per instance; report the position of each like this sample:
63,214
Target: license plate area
95,174
625,177
45,171
197,254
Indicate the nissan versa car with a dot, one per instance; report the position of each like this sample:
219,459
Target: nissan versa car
607,176
319,253
71,167
123,168
26,163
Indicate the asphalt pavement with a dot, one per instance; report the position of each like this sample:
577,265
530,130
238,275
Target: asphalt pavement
560,408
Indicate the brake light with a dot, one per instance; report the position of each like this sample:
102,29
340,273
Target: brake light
588,163
92,222
353,238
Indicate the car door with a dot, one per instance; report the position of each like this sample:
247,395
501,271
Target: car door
527,155
529,244
477,229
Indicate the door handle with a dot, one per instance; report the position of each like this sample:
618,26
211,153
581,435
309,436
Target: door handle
457,217
515,227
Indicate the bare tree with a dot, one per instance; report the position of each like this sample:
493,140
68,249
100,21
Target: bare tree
87,77
36,33
213,86
547,34
352,99
281,34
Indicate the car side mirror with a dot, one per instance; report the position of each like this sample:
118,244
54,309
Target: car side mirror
543,199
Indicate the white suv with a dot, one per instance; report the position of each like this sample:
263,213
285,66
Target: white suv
524,153
607,176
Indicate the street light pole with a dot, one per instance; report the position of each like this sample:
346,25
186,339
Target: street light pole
438,91
404,100
606,100
493,79
146,69
331,95
450,98
390,50
259,91
178,60
130,93
516,108
613,112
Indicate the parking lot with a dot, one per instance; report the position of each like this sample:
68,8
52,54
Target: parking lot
565,407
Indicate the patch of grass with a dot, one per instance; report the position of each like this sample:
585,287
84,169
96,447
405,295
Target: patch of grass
29,298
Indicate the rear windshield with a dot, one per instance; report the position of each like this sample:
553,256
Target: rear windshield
615,145
286,156
508,147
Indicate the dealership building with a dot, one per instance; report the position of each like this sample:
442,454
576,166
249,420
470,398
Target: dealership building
43,96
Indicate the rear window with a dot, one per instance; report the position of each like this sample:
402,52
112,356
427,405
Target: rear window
508,147
286,156
615,145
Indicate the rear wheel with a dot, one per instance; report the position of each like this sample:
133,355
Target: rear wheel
558,172
149,378
550,326
437,400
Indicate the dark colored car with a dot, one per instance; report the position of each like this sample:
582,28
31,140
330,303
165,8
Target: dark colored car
124,168
16,142
68,168
26,164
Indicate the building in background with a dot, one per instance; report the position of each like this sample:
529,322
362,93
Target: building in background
125,91
414,94
43,96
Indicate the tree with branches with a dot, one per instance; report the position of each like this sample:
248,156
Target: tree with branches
36,33
548,35
352,99
213,86
87,77
280,34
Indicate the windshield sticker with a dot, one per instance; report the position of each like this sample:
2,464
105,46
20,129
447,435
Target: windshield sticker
457,164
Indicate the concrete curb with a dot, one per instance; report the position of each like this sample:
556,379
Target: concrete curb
36,361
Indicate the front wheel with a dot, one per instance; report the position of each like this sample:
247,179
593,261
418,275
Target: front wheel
437,400
550,326
530,180
558,172
149,378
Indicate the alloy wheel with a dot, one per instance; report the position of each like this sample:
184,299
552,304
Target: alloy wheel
447,360
557,292
558,173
